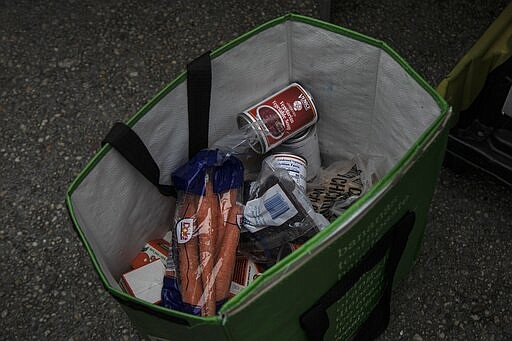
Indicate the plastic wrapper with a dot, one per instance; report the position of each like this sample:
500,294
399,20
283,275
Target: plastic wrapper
339,185
206,233
238,143
277,213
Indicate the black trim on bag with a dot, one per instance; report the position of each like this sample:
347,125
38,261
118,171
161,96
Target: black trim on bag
131,147
315,321
199,84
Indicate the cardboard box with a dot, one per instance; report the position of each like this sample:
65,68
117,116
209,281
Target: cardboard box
152,251
245,272
145,282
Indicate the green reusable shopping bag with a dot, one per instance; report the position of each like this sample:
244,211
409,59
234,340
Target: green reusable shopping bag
338,284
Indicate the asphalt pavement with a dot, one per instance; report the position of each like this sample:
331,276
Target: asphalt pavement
70,69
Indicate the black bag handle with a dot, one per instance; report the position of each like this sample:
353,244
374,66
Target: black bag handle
315,321
199,87
131,147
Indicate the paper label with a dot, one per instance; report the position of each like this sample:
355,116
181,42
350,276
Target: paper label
295,166
284,114
235,288
184,230
273,208
157,249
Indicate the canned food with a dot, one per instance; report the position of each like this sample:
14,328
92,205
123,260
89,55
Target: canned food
295,165
279,117
306,146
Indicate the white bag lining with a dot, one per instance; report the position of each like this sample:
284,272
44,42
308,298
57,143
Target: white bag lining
367,103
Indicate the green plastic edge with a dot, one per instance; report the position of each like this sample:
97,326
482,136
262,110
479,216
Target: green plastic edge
320,236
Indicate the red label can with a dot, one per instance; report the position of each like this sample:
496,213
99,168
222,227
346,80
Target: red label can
279,117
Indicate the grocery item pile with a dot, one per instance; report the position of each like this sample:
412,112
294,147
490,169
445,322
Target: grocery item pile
251,199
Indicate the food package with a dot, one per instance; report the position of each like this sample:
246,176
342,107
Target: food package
206,233
277,213
144,282
339,185
156,249
246,271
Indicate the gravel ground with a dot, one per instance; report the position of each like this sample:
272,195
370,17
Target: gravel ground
70,69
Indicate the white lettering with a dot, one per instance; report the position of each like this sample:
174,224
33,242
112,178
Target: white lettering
304,101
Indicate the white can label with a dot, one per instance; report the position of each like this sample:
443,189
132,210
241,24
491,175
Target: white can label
295,166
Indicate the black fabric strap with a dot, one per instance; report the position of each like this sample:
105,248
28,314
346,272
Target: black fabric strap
315,321
199,83
129,144
131,147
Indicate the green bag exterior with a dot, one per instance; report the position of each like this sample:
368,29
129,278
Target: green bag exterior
271,307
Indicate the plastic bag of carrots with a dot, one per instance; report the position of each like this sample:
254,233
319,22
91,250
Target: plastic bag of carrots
206,233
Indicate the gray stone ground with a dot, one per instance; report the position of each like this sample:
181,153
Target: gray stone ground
70,69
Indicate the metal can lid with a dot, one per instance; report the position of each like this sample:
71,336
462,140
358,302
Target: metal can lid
302,136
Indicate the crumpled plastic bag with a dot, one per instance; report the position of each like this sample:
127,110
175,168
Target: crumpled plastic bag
278,212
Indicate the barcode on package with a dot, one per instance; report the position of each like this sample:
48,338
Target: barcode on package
273,208
276,205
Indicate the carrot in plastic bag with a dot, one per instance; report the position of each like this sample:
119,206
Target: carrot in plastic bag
225,205
227,252
188,253
203,177
207,219
182,286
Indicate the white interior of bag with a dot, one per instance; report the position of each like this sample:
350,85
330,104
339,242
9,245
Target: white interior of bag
367,103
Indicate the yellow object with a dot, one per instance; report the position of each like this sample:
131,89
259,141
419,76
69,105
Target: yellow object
461,86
